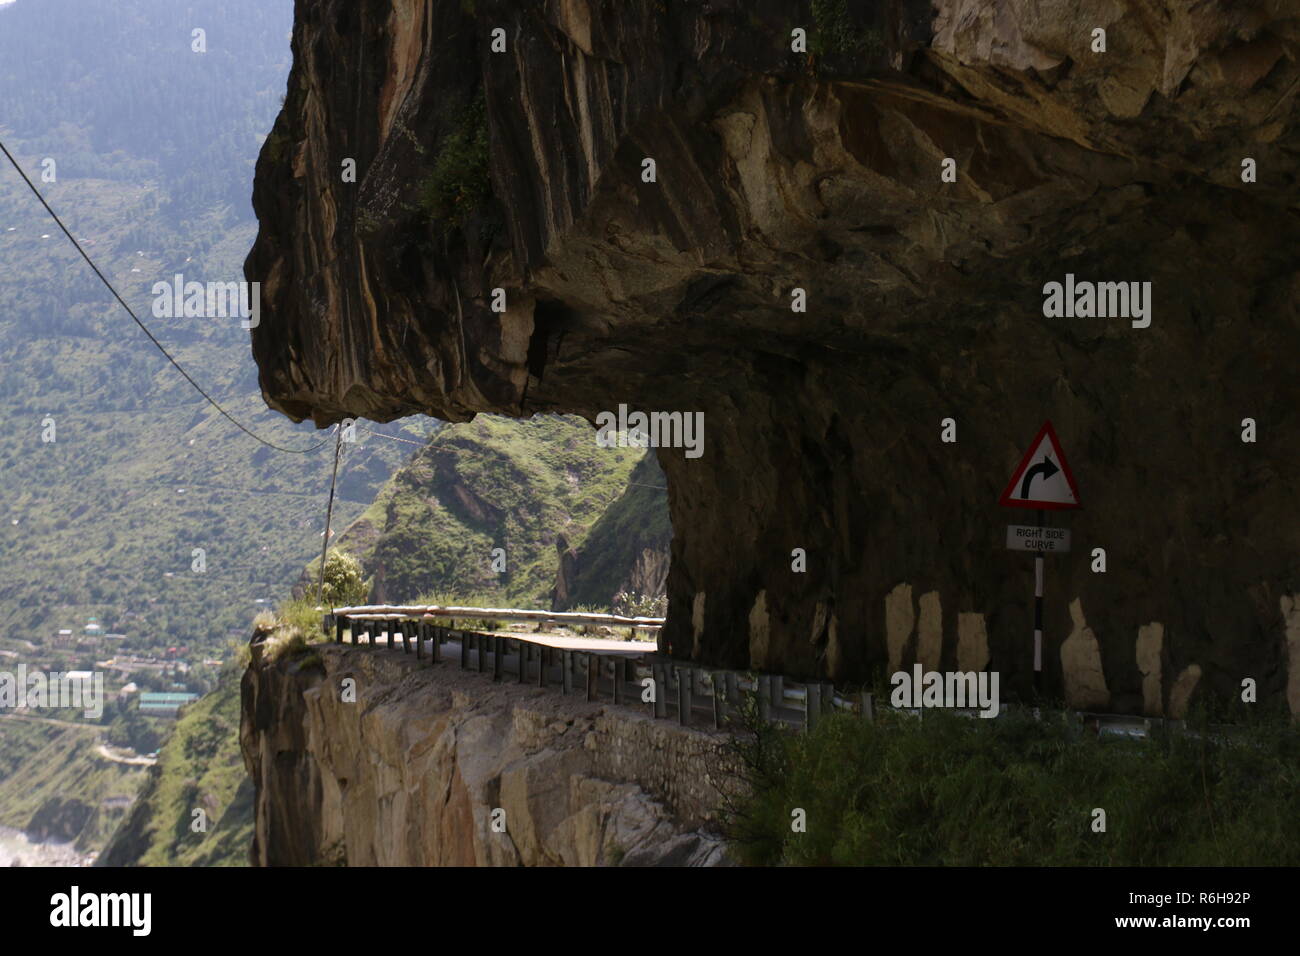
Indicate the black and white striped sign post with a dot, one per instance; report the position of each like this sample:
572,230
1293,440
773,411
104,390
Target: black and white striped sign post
1042,481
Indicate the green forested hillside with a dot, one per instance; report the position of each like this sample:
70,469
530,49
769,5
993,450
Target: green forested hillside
154,147
627,548
146,150
199,768
115,91
521,486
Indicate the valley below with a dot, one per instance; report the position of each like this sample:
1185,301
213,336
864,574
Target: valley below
17,849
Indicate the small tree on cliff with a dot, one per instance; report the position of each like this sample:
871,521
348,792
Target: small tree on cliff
344,584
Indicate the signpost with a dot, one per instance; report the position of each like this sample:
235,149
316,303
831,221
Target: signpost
1028,537
1042,481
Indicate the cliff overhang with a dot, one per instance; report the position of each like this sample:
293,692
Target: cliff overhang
1114,142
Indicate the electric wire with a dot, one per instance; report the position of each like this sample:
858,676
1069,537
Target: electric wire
144,328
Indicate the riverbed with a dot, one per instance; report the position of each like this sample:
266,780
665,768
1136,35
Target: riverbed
17,850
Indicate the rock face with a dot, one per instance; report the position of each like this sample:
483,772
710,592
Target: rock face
627,548
59,820
1111,141
441,767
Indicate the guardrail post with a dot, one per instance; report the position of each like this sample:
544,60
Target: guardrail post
868,706
812,705
338,629
659,674
764,697
541,666
684,697
592,676
717,699
497,643
464,649
480,648
419,640
566,665
618,684
522,648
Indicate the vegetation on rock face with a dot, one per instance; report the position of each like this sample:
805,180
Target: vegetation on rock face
835,31
289,633
1014,791
458,180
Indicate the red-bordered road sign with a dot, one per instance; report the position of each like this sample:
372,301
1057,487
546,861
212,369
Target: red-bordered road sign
1043,478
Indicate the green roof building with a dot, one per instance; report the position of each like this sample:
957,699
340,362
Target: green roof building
164,705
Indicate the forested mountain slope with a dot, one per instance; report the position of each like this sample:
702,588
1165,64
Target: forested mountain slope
153,147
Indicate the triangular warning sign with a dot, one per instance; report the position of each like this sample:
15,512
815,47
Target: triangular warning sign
1043,479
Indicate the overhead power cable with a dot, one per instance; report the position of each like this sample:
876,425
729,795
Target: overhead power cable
395,438
198,388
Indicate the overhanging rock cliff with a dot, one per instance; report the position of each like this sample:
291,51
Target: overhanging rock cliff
778,171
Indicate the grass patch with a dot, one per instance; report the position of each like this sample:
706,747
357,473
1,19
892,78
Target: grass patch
291,632
954,791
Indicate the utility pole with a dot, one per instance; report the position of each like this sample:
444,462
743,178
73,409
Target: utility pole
329,513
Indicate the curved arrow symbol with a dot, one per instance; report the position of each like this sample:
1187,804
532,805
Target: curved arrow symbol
1047,468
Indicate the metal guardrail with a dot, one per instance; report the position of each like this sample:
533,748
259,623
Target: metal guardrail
690,692
417,611
693,694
